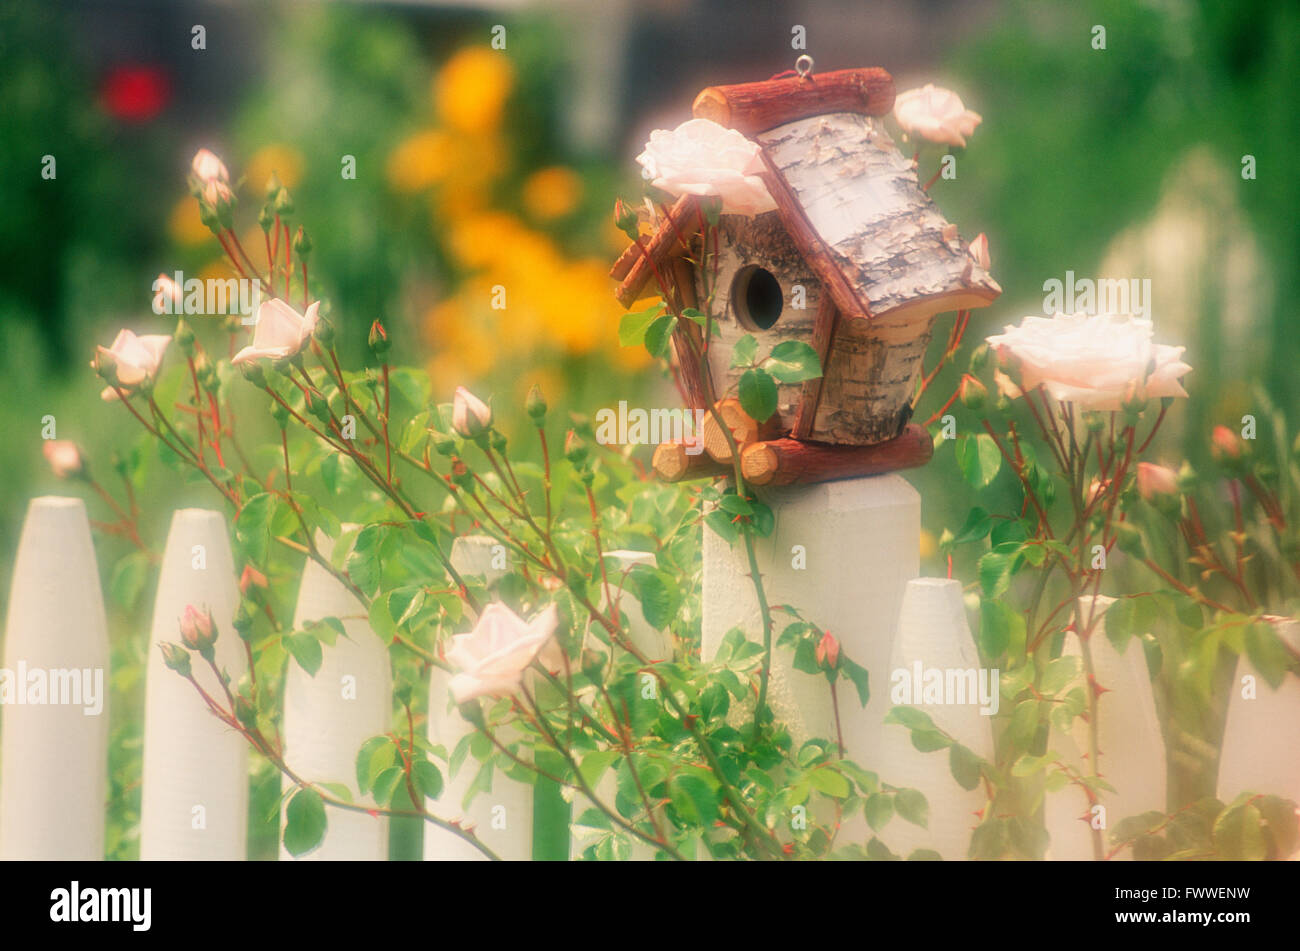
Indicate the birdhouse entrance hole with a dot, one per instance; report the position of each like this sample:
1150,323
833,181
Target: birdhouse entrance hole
757,296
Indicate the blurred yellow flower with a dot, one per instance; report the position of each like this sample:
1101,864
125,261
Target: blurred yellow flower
471,89
551,193
928,546
284,160
419,161
184,224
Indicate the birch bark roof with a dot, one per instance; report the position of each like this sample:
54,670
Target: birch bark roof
861,197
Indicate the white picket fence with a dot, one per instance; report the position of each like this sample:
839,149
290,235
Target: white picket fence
846,553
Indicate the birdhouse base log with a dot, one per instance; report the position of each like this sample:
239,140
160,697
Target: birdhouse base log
672,463
791,462
843,552
744,430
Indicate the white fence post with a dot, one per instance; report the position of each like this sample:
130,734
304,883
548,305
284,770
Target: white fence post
328,717
55,753
503,817
933,634
842,553
1132,745
1261,740
195,778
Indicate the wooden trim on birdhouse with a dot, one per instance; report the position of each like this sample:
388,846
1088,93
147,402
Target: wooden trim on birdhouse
756,107
688,339
669,240
791,461
823,336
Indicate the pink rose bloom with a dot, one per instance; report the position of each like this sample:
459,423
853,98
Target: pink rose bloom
207,167
703,158
935,114
491,659
281,332
63,456
469,414
1092,361
136,358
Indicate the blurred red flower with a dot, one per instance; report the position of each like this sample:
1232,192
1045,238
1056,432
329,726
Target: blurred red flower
135,93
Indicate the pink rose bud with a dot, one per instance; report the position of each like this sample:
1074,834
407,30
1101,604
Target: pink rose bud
198,632
252,581
973,393
575,449
379,342
64,458
470,416
1154,481
1225,444
167,296
828,652
218,196
176,658
208,168
979,251
1095,491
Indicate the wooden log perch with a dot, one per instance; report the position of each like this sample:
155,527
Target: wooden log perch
672,463
789,461
756,107
744,429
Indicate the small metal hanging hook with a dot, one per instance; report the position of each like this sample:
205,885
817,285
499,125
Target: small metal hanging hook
804,66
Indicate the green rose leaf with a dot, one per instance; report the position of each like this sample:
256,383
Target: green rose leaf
758,394
304,826
793,361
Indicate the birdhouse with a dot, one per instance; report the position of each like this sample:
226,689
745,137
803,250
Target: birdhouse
852,258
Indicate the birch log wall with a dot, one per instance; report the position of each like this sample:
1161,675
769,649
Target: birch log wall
54,755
